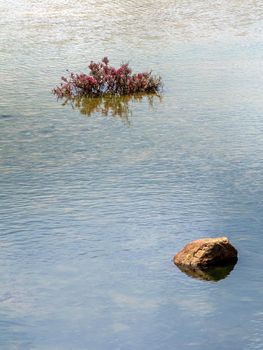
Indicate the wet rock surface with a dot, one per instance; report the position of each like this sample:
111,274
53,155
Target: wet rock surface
206,252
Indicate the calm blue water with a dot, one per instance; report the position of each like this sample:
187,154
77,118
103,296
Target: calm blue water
92,209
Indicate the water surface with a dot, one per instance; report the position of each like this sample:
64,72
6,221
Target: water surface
93,207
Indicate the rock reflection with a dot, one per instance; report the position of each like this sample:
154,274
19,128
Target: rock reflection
115,106
212,273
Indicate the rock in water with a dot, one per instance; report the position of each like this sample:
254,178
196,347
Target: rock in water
206,252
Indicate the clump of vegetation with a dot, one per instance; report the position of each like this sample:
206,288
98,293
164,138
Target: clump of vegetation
104,79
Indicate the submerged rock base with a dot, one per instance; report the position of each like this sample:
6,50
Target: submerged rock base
206,252
212,273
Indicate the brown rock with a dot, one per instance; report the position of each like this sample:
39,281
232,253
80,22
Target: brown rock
206,252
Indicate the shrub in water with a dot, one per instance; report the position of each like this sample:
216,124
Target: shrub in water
104,79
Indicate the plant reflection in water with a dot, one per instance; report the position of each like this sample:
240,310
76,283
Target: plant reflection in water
111,105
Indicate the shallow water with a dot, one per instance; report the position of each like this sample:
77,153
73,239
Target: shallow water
94,207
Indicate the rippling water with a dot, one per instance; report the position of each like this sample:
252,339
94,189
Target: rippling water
94,206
